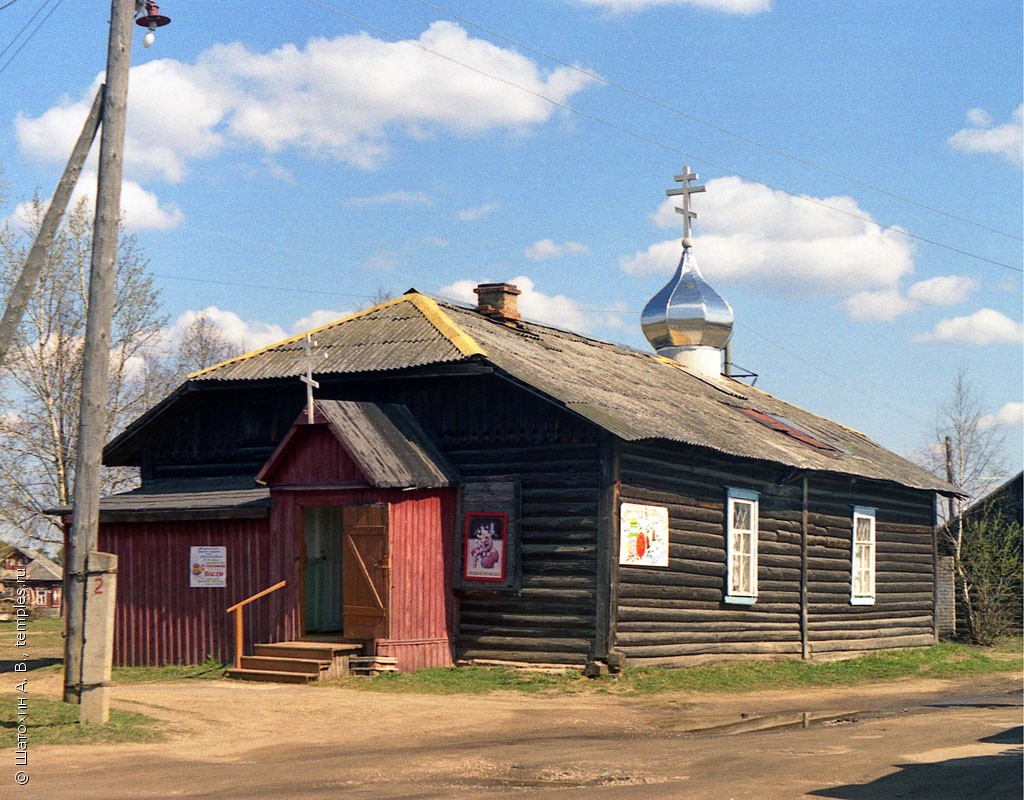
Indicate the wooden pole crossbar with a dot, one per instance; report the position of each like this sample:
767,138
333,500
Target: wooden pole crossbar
239,611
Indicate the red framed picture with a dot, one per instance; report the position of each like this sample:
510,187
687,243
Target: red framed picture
485,548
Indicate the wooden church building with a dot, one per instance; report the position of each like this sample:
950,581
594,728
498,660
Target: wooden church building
468,486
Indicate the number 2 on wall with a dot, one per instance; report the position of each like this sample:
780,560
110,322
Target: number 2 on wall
99,586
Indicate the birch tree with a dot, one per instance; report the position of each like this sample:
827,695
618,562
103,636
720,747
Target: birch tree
41,382
968,453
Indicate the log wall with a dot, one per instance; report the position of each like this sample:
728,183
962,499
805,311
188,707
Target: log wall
676,614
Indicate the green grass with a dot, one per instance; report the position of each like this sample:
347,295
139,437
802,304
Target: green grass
45,639
465,680
209,670
51,722
946,660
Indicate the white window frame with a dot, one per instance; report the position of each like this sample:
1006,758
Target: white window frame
865,597
733,587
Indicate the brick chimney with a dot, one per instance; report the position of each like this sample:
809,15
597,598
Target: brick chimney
498,301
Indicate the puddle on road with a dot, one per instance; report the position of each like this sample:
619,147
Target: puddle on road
523,777
779,721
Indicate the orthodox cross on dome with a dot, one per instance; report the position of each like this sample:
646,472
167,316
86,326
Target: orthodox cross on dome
307,379
686,190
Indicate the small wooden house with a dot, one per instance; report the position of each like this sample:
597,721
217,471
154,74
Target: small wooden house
41,579
476,488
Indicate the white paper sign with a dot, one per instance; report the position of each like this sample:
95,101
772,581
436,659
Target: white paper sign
208,566
643,535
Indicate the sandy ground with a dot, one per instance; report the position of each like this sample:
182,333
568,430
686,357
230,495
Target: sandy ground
931,740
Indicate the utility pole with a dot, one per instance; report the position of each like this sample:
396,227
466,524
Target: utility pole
93,415
26,285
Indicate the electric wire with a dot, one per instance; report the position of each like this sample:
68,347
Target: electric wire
29,37
707,123
8,4
663,145
24,27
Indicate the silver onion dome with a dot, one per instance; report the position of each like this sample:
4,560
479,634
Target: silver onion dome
687,313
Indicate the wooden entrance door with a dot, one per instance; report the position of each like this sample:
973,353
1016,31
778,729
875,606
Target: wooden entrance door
367,572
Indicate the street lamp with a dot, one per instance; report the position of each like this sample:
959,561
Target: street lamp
152,20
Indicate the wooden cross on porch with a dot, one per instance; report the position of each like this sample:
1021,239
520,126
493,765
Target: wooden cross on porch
307,379
686,190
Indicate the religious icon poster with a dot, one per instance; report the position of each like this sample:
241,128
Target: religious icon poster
643,535
485,547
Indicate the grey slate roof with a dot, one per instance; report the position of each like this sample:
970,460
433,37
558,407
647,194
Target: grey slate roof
191,498
387,442
636,396
40,567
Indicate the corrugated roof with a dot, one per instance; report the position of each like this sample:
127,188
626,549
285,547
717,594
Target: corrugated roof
384,439
633,395
39,568
191,498
410,331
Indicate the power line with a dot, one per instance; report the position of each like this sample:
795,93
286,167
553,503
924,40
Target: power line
662,145
8,4
23,27
722,129
29,37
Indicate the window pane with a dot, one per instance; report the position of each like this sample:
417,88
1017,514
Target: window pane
863,529
741,516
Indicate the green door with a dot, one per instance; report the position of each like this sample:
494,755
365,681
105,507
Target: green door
324,555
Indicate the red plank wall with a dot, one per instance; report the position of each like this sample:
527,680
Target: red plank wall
161,620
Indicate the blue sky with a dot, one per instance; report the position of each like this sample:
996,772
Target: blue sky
287,161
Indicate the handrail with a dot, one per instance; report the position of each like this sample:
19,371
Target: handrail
239,609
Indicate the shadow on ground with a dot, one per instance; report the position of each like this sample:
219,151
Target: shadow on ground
7,665
994,777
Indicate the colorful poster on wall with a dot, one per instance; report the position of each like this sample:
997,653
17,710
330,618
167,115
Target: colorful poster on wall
485,547
643,535
208,566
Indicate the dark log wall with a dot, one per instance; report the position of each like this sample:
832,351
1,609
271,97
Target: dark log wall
489,428
676,614
902,615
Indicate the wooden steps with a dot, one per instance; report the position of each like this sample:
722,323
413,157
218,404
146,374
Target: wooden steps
296,662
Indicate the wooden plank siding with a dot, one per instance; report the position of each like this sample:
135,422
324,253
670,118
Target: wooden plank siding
161,620
675,615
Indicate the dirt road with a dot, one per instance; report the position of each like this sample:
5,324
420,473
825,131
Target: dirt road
931,740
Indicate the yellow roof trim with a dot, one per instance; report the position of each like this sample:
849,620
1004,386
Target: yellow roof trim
446,326
425,305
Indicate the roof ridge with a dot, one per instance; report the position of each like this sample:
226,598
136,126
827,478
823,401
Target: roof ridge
427,306
445,325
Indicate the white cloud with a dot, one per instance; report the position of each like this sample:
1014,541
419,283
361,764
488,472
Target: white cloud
882,306
728,6
748,231
341,98
556,310
1010,415
888,304
546,249
473,214
1006,140
140,209
244,334
943,290
979,118
986,326
275,170
317,319
396,198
